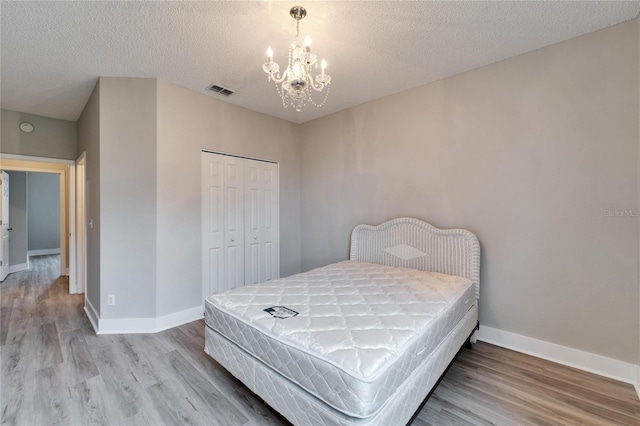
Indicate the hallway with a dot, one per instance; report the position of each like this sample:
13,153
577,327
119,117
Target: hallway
36,297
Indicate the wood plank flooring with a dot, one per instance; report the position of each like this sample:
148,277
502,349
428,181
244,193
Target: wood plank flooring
56,370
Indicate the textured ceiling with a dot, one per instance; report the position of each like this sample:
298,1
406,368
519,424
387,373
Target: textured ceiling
53,52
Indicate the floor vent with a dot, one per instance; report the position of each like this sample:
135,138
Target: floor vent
220,90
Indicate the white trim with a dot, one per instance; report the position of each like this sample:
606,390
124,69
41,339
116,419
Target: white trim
178,318
80,229
637,383
91,313
126,325
43,252
71,230
149,325
597,364
37,159
18,268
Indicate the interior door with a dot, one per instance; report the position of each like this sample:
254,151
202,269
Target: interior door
239,222
4,214
261,221
212,224
233,221
222,223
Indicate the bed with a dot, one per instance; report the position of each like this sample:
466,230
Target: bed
358,342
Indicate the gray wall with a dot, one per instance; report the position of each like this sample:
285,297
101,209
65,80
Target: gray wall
51,137
189,122
18,218
533,154
128,197
143,139
43,212
89,143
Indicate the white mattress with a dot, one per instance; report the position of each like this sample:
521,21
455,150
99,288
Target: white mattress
303,409
358,332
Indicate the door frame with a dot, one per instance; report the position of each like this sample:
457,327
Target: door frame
66,170
80,172
5,268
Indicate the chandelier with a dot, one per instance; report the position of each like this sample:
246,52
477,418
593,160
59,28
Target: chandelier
296,85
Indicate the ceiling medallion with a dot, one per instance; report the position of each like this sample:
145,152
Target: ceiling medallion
296,85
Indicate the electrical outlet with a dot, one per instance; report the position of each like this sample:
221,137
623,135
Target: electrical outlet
111,299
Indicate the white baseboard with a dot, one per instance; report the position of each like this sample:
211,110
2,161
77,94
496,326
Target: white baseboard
178,318
18,268
597,364
149,325
127,326
91,313
43,252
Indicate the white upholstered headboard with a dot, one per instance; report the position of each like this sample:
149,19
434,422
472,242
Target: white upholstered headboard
412,243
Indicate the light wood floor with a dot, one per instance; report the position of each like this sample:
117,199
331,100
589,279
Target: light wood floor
55,370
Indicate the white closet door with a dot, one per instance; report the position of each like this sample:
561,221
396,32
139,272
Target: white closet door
234,221
239,222
212,224
261,221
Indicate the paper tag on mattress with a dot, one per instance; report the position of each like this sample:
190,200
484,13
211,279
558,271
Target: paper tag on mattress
281,312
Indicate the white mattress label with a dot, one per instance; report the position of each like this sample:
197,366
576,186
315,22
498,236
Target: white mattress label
281,312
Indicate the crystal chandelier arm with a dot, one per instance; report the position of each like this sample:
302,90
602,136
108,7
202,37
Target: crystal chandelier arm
275,76
273,69
318,88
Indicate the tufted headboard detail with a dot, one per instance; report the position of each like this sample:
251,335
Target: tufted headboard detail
412,243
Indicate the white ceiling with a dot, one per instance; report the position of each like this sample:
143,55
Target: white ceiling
53,52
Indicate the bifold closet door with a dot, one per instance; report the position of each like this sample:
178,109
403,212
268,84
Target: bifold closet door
239,222
233,223
261,219
223,223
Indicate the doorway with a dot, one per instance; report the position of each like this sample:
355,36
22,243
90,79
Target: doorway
65,169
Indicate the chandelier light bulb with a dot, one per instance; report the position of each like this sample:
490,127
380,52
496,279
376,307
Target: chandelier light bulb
307,42
270,54
324,65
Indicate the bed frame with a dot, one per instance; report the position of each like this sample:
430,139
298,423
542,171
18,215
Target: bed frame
403,242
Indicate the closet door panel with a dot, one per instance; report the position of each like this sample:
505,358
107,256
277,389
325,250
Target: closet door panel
233,222
261,221
253,207
212,223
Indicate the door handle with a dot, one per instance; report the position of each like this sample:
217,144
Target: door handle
233,239
9,229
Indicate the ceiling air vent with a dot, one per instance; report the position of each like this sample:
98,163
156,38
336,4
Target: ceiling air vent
220,90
